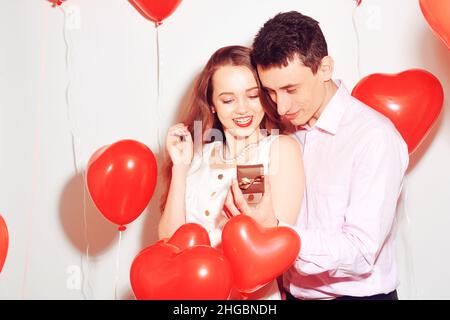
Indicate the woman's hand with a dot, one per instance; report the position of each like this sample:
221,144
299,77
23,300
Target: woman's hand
179,145
263,213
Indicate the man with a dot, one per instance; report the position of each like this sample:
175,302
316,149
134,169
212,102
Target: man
355,161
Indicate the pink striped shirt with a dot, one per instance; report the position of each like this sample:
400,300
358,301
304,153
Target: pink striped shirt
355,161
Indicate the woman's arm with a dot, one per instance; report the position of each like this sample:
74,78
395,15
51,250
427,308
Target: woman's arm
179,145
174,215
284,186
287,179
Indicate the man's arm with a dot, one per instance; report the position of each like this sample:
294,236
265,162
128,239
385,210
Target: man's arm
377,180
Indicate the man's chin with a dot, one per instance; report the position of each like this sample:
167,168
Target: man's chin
297,122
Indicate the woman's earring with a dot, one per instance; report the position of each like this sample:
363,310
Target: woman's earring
213,110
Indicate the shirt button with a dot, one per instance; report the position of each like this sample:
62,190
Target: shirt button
251,197
220,176
206,213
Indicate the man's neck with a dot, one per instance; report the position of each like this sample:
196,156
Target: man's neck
330,89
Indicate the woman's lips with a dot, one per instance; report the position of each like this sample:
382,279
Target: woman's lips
243,122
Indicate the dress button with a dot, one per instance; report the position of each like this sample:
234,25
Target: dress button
213,194
251,197
220,176
206,213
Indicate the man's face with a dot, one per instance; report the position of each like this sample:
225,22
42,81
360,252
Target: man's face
298,93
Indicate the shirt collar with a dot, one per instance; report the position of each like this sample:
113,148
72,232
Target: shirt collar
333,112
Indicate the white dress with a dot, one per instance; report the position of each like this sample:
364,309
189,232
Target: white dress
206,190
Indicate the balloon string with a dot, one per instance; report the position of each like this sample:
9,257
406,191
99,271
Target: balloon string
74,142
67,95
358,52
117,266
158,89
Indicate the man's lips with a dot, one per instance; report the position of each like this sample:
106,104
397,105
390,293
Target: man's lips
291,116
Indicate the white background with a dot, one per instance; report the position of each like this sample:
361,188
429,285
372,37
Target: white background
112,96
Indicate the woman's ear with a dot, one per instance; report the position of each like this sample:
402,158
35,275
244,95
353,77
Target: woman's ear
326,68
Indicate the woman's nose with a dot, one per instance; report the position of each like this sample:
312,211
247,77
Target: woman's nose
242,106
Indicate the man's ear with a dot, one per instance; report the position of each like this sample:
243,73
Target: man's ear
326,68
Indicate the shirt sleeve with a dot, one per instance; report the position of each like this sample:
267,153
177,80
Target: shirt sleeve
377,179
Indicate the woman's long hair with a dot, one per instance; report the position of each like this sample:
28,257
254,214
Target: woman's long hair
199,108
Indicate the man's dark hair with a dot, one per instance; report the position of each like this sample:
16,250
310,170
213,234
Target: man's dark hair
287,35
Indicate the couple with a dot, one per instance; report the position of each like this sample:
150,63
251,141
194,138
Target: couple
335,180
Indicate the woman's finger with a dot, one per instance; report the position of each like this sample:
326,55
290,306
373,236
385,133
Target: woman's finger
239,199
230,206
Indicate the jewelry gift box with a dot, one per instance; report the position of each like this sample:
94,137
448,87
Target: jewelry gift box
251,181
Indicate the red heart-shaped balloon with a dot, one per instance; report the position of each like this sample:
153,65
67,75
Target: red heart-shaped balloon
121,179
4,242
189,235
163,271
437,14
156,10
412,100
258,255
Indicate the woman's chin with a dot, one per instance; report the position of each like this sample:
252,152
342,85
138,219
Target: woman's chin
242,133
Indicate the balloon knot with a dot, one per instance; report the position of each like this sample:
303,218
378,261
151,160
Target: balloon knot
122,228
56,2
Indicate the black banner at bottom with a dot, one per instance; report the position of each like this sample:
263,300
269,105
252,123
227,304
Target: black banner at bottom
173,310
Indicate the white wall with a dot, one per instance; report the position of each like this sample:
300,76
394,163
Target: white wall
112,96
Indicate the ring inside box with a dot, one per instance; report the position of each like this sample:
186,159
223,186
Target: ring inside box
251,181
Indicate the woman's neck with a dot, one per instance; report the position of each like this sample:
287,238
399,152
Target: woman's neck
235,145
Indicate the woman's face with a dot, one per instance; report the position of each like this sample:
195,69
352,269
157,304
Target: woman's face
236,100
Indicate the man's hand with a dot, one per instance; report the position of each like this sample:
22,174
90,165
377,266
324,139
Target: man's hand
263,213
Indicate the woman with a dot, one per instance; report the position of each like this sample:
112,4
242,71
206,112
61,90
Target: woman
232,125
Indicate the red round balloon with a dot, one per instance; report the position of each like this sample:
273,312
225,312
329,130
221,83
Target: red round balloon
165,272
437,14
121,179
4,242
412,100
156,10
258,255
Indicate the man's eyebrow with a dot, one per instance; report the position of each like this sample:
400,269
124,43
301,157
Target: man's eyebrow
290,85
287,86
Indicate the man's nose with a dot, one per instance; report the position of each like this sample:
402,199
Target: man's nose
283,104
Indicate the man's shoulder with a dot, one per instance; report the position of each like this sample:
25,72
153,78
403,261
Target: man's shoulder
372,128
368,121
